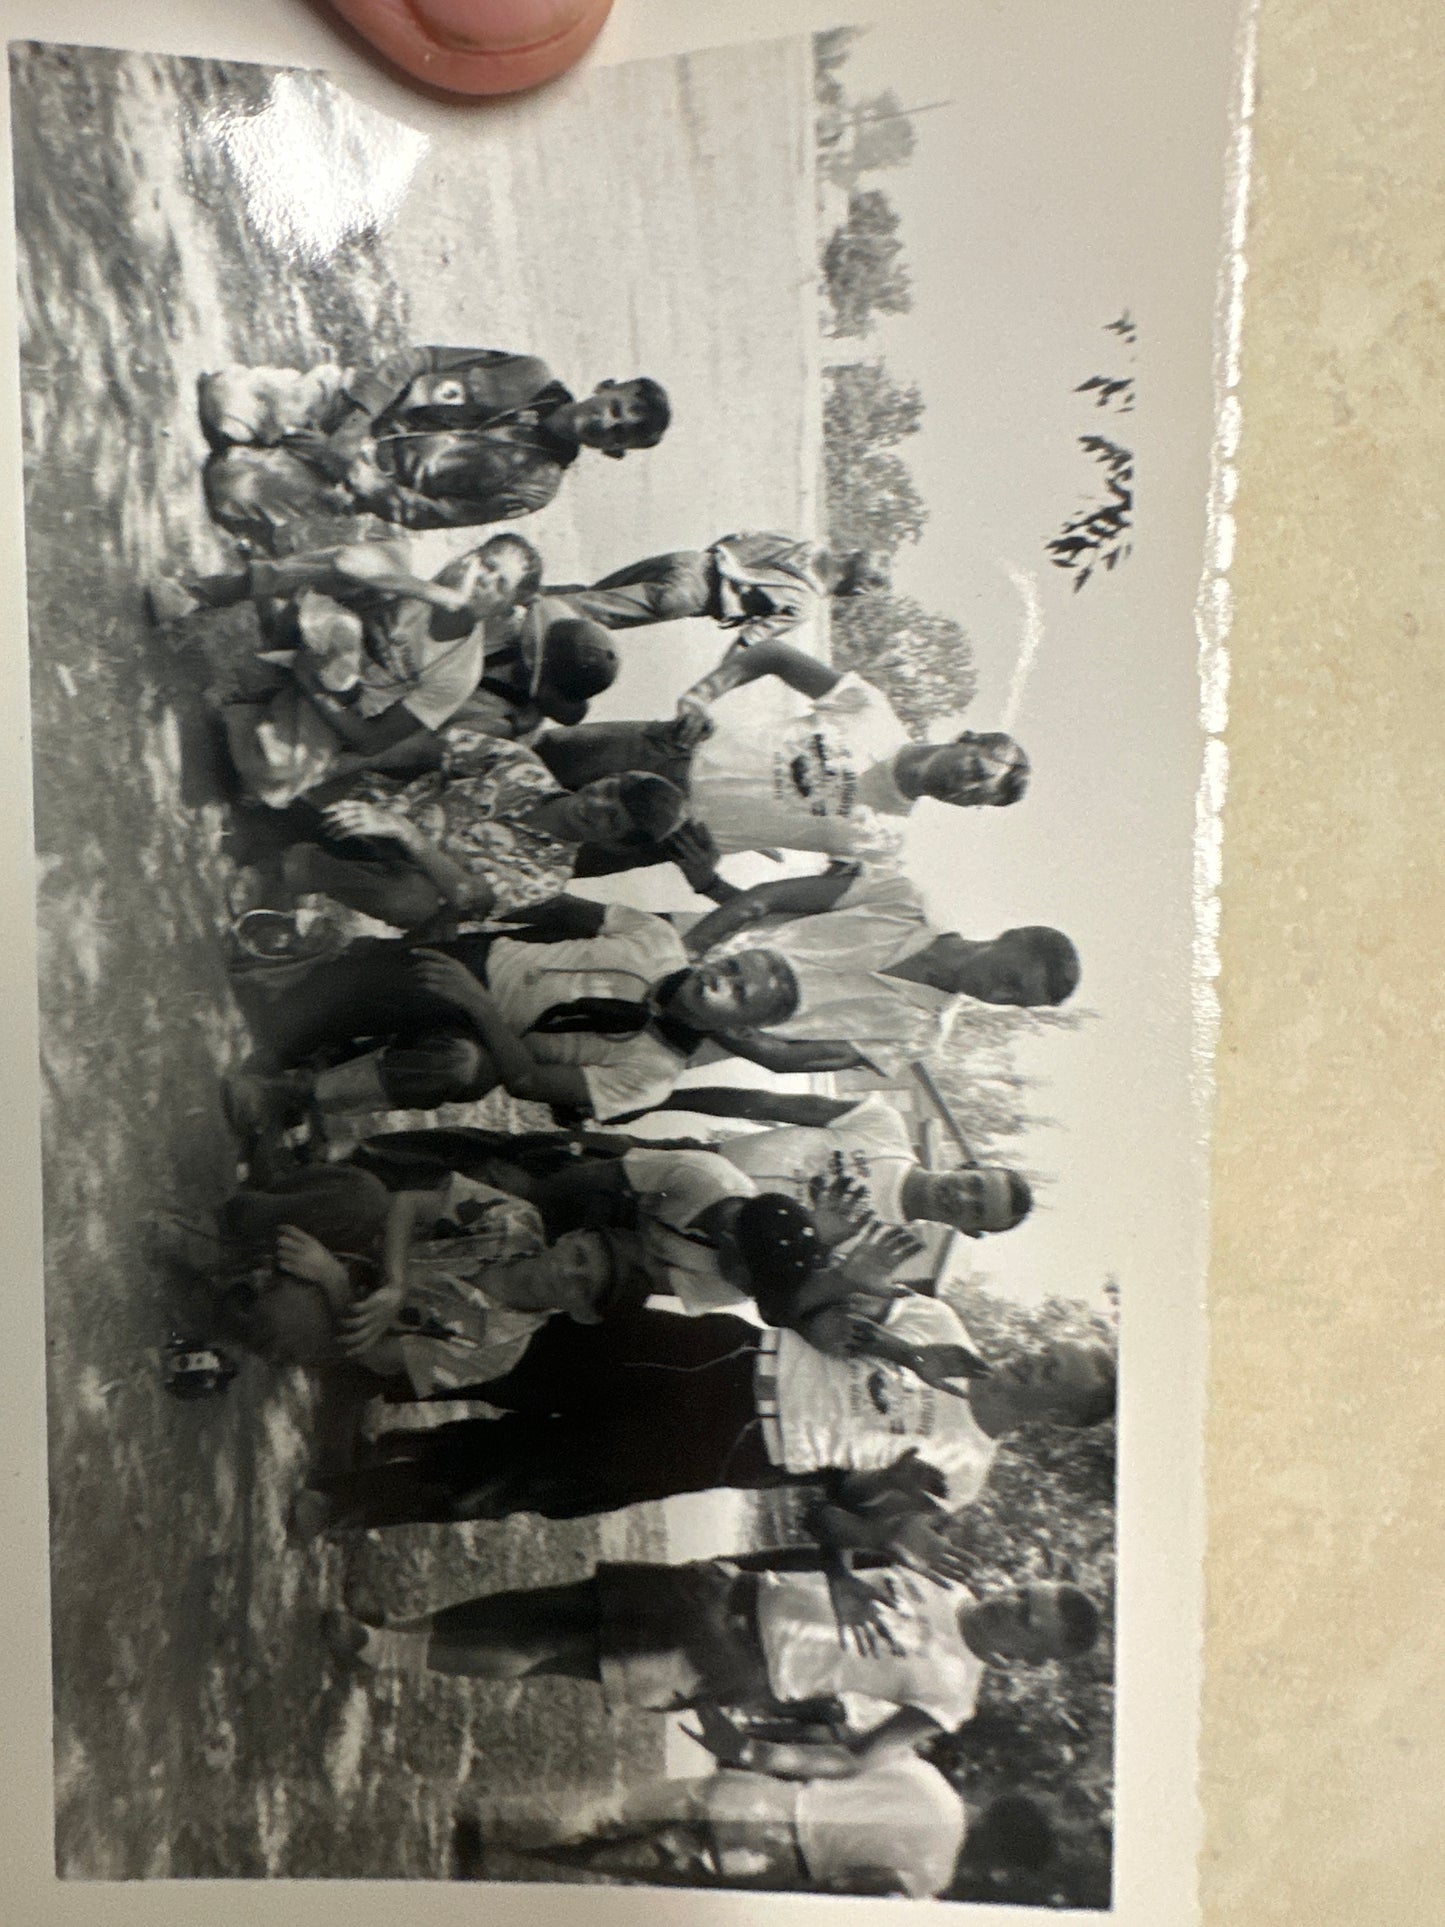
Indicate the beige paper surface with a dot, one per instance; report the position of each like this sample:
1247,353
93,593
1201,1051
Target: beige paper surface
1324,1705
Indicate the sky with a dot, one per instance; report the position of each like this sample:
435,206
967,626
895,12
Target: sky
1024,235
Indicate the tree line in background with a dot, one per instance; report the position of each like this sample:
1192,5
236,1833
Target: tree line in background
921,660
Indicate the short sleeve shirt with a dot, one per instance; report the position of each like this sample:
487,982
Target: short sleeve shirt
475,808
404,663
869,1144
674,1189
632,952
793,780
860,1413
903,1816
932,1668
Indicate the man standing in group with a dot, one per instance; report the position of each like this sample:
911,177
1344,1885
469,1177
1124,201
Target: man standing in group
838,774
756,584
430,438
655,1404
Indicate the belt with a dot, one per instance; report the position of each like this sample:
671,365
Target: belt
765,1393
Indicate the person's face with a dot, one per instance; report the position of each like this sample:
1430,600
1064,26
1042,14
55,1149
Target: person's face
1056,1382
491,580
735,993
1025,1625
610,417
596,813
579,1271
1005,972
975,1201
964,773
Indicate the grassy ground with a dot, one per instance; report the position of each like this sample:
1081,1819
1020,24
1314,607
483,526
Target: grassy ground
200,1729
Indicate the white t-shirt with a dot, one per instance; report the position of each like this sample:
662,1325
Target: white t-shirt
631,953
767,777
869,1144
903,1815
932,1669
674,1188
858,1414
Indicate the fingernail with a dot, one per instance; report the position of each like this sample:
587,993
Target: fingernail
499,26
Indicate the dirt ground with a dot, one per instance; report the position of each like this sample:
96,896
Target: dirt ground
201,1730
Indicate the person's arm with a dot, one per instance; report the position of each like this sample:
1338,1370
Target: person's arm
523,1075
368,565
460,887
786,897
785,1054
757,1105
749,663
364,734
413,755
367,1323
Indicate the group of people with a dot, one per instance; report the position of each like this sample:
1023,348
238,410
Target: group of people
648,1314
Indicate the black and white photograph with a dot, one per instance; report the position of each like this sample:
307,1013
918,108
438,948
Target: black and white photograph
616,723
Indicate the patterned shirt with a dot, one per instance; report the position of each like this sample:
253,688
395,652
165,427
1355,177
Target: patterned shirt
475,809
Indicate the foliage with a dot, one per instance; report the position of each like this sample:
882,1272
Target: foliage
863,138
1049,1506
976,1073
1097,537
863,273
872,502
922,662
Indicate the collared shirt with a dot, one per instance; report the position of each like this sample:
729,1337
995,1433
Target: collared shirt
767,584
633,951
674,1189
840,958
869,1144
800,775
927,1663
860,1413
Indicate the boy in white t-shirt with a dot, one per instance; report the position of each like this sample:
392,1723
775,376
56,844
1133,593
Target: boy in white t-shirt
897,1828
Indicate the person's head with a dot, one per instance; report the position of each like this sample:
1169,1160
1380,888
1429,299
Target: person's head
621,415
977,1200
1027,967
1012,1831
746,991
577,1276
1062,1383
503,572
634,807
771,1248
860,572
1031,1624
973,771
575,659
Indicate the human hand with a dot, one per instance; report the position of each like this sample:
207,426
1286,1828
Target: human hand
446,979
367,1323
693,850
354,818
840,1208
300,1255
859,1607
478,46
924,1542
877,1255
693,723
